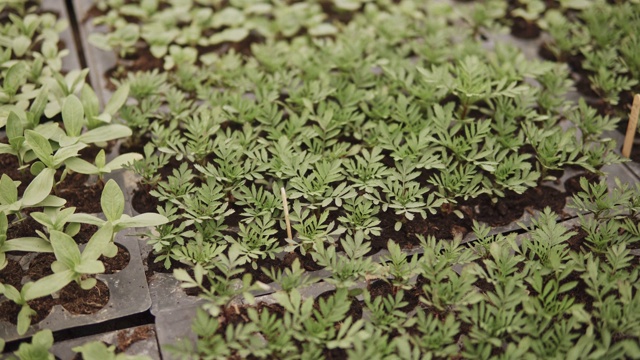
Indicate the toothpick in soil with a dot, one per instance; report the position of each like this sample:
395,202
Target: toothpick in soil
285,206
631,127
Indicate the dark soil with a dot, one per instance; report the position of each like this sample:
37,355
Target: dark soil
575,242
9,165
306,261
23,228
78,301
116,263
89,153
635,154
383,288
86,198
512,206
42,306
238,314
85,233
268,263
128,337
12,274
142,201
523,29
40,266
572,184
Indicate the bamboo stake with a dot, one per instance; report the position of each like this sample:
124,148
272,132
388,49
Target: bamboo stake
631,127
285,206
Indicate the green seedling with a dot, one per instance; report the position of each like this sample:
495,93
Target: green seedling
37,194
76,264
112,202
100,167
32,244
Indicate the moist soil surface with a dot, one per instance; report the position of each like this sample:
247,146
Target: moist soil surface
12,274
142,201
42,306
40,266
78,301
116,263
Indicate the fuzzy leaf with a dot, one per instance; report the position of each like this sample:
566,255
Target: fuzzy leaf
98,242
142,220
39,188
40,146
106,133
48,285
118,98
65,249
8,190
73,116
112,201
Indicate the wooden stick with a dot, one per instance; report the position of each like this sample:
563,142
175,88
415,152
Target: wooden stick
631,127
285,206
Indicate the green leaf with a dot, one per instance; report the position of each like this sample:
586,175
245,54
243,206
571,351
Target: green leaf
100,159
14,126
98,242
142,220
8,190
118,98
33,244
39,104
48,285
52,201
24,319
106,133
73,116
90,101
86,219
231,35
119,161
88,284
67,152
20,45
112,201
40,146
14,77
39,188
78,165
65,249
90,267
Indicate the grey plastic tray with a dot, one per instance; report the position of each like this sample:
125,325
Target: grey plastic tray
128,294
148,346
99,61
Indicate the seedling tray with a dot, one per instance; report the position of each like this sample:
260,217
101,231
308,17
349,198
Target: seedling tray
140,340
128,294
98,61
166,294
